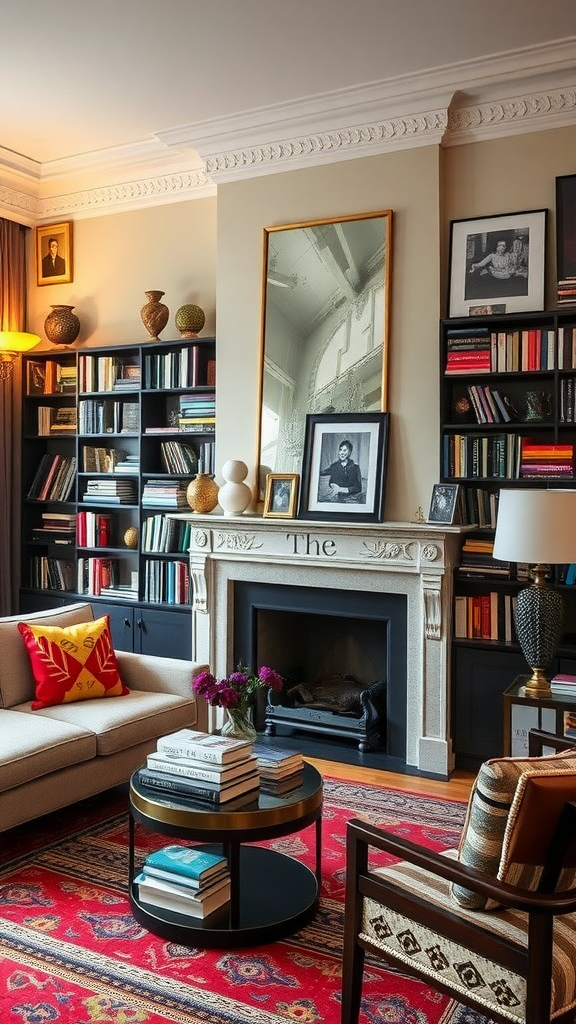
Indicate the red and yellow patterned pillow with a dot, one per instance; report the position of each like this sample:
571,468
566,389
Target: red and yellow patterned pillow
72,663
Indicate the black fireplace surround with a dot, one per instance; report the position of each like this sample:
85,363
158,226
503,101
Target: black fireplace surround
311,633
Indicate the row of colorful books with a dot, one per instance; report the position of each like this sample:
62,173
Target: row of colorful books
218,769
509,351
185,879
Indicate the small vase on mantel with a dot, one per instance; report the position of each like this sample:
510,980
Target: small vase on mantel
62,326
202,493
234,496
238,725
154,314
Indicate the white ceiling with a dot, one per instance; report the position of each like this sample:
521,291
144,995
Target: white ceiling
125,83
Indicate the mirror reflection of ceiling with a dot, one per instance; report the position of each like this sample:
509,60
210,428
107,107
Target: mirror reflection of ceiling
313,271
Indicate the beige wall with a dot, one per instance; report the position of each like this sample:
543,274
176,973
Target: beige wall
186,248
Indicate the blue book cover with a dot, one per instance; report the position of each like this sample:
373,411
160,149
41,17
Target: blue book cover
186,860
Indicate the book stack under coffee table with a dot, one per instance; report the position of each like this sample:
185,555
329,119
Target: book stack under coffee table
186,879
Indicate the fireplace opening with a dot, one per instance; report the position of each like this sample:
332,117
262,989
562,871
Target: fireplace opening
343,657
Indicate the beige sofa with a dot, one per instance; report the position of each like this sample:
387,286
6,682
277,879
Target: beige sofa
58,755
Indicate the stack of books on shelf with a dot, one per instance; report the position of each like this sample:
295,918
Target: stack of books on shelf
110,492
101,460
468,351
167,493
476,559
567,291
491,405
51,573
94,530
281,771
197,766
57,528
178,457
167,581
489,616
197,413
54,478
61,420
544,461
94,574
481,507
162,534
563,685
185,879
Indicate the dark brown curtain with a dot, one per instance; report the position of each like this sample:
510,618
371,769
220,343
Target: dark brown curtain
12,318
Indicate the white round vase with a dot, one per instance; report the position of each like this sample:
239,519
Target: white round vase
234,496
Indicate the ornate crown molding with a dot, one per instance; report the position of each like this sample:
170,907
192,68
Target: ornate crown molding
524,91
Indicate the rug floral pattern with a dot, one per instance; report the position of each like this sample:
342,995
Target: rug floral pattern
72,953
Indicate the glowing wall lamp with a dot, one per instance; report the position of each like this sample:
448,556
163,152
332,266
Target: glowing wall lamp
12,344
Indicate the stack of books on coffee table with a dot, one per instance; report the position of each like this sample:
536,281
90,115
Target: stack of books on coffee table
185,879
203,768
280,770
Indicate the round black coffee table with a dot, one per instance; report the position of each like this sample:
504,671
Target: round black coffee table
271,894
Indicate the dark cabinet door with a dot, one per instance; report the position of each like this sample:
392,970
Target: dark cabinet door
164,633
480,678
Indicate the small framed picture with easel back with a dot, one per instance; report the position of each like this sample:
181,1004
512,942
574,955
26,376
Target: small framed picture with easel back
443,505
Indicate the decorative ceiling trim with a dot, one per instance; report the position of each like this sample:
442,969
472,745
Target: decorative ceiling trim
525,91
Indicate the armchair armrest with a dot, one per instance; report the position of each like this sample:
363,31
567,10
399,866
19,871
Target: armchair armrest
360,836
538,739
158,675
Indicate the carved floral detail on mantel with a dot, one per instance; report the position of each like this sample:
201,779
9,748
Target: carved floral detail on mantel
237,541
200,538
430,552
388,549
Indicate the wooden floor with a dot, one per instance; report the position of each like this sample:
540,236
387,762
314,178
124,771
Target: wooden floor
457,788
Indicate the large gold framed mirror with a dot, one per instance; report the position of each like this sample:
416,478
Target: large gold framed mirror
325,326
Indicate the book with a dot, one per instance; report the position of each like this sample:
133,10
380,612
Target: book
201,770
190,861
203,746
214,793
159,893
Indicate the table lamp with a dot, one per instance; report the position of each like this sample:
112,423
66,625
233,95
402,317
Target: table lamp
12,343
538,527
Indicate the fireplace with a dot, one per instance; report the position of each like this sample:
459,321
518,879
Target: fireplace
344,661
382,593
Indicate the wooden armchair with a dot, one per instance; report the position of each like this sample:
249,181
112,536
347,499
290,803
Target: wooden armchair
493,924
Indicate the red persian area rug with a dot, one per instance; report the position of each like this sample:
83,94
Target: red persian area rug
72,953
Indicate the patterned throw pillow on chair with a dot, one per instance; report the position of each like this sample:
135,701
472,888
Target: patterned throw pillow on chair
489,820
72,663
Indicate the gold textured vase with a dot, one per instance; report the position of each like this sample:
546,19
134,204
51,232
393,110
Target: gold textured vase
154,314
189,320
202,493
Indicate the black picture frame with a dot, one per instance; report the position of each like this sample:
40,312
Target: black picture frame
497,263
566,237
443,504
324,435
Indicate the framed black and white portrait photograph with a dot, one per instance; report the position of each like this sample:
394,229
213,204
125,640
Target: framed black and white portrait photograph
443,504
281,495
344,466
497,261
54,253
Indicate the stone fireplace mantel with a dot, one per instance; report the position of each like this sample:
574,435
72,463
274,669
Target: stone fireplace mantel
395,558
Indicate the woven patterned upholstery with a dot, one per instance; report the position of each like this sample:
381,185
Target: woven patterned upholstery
467,973
487,819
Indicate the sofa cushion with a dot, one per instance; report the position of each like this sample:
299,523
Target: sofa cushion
488,817
72,663
16,679
33,746
118,724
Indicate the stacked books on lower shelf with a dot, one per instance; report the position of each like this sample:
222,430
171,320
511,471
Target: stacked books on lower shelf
280,770
201,767
563,685
185,879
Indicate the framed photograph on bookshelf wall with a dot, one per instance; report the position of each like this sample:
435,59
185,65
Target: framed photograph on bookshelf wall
281,495
499,261
566,238
344,467
443,504
54,253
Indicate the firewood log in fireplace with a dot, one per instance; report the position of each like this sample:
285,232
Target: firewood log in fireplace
340,693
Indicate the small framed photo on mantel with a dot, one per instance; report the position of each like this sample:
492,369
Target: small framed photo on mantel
281,495
444,504
54,253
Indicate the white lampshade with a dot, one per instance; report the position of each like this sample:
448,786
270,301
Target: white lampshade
536,526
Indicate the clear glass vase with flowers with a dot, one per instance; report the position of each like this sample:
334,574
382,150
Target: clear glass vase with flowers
236,693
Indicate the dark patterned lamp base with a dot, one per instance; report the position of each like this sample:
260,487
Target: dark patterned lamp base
539,612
